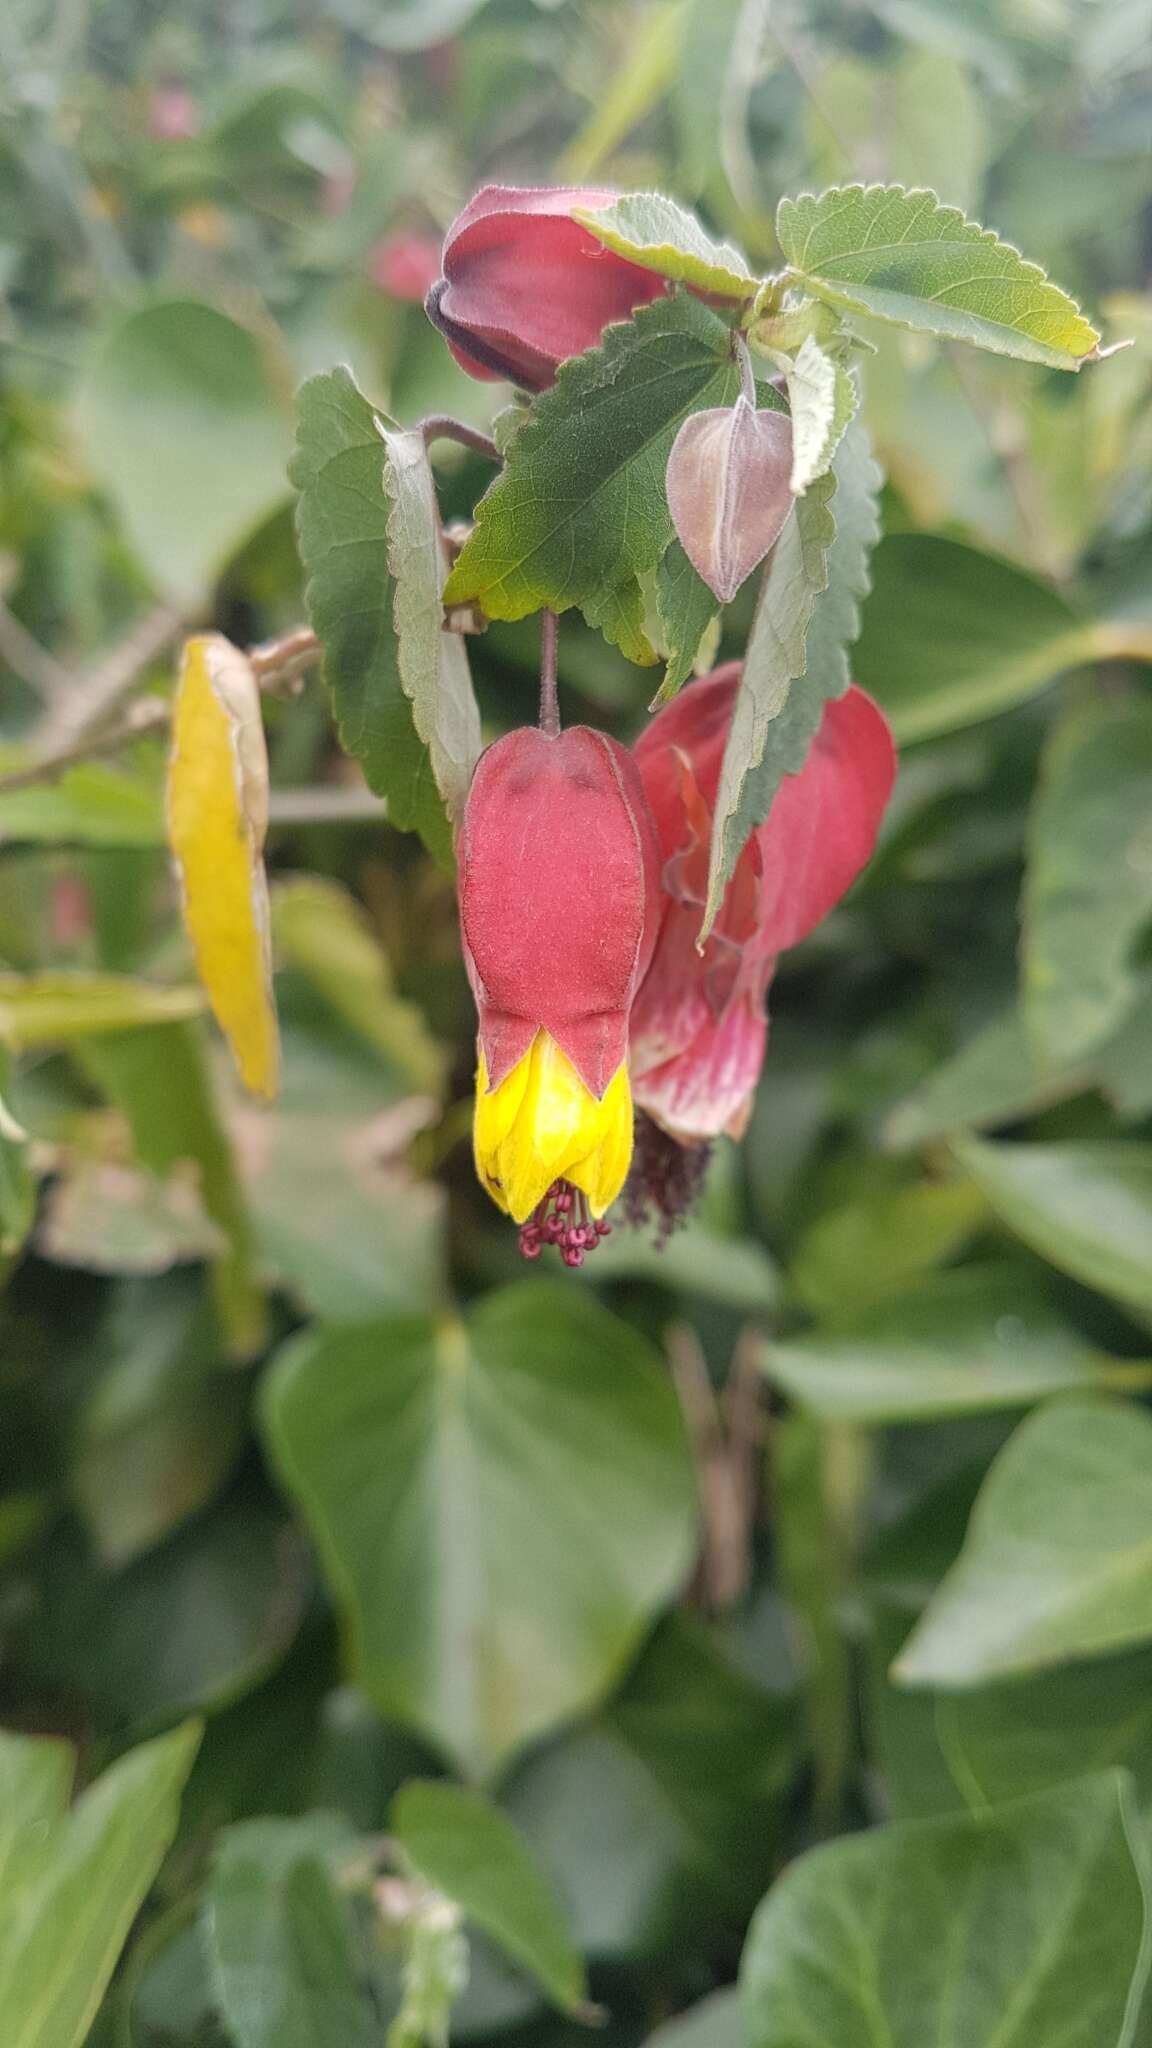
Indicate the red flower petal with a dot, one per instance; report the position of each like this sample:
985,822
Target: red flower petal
525,286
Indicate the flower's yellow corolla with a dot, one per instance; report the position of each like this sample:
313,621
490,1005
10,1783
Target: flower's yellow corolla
542,1124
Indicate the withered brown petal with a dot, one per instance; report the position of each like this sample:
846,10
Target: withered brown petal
728,490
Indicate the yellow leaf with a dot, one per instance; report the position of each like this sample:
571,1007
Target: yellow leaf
217,819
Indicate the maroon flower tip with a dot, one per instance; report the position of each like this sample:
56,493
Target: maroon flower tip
666,1180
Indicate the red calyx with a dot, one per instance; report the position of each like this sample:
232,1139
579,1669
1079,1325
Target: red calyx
559,897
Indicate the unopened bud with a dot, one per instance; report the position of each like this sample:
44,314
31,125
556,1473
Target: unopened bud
728,490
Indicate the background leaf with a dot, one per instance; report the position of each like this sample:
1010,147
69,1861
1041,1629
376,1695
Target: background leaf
185,377
280,1945
1087,1207
1055,1566
88,1874
951,635
471,1852
1089,888
160,1080
861,1941
979,1338
555,1437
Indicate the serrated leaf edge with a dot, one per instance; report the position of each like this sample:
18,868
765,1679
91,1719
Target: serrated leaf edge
975,231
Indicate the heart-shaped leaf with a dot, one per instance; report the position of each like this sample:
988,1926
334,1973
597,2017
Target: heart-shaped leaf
1015,1927
527,1471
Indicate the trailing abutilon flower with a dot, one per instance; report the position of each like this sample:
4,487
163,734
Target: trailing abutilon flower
699,1023
559,901
525,286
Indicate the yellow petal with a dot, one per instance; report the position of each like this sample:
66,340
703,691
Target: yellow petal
605,1171
217,818
542,1124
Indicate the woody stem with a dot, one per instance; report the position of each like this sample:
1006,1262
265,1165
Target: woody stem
549,694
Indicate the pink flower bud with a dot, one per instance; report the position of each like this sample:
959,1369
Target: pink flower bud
173,115
728,490
406,266
525,286
699,1027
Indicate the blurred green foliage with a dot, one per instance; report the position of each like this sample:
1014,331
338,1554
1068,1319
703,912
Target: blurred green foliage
281,1447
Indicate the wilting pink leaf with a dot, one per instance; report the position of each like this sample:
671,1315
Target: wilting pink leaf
728,490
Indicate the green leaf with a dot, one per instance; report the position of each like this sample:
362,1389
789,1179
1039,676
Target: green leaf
579,512
342,1223
74,1881
59,1009
644,71
35,1781
433,663
662,1814
687,609
89,805
342,528
901,256
966,1342
993,1079
1088,893
193,1624
695,1262
806,619
860,1252
107,1217
1015,1928
452,1470
405,25
160,1080
280,1939
319,927
986,1744
657,234
1086,1207
714,2022
17,1182
458,1841
182,377
1057,1563
951,635
920,106
164,1422
822,398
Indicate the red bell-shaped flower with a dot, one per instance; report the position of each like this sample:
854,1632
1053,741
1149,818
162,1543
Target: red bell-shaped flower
559,876
525,286
699,1026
